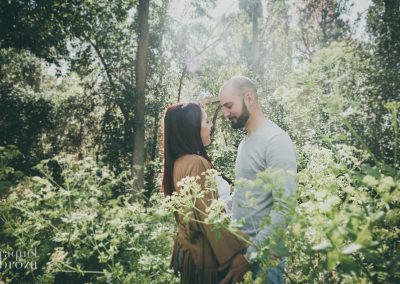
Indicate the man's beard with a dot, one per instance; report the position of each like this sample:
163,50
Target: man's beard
242,119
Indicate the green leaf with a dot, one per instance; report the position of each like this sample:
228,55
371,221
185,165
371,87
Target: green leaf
364,237
280,249
333,259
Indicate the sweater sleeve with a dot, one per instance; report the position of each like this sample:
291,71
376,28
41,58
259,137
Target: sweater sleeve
280,154
226,245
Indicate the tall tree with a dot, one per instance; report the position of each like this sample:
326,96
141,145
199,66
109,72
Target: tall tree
38,26
383,23
383,77
253,9
140,71
319,23
276,49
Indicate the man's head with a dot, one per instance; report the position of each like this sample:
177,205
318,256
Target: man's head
238,97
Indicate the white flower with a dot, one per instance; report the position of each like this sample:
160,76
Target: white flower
370,180
386,183
349,111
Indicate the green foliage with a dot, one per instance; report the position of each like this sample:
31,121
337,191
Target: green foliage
98,40
346,224
319,24
26,112
82,232
24,26
76,118
8,175
340,105
343,225
331,102
24,118
223,149
384,27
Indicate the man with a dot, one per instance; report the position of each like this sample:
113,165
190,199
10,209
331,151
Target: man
265,146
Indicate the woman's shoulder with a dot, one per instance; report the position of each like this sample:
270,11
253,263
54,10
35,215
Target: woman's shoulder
190,165
191,161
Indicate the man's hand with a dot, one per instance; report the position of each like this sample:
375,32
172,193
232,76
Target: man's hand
237,269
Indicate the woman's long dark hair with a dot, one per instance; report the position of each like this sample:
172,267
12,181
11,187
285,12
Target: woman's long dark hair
182,126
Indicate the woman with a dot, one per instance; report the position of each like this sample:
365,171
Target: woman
197,253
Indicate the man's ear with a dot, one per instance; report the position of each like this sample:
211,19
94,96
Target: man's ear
249,97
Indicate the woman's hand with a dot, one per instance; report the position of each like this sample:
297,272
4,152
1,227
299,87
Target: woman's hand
237,269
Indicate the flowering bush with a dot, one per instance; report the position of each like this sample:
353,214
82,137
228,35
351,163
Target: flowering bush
83,226
82,230
346,224
343,226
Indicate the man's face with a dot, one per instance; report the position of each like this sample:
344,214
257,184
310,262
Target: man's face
234,108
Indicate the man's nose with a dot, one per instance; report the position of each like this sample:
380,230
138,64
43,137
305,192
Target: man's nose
225,112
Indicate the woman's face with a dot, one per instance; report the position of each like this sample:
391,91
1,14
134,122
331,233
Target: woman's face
205,129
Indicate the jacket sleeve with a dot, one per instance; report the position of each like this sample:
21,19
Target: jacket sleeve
226,245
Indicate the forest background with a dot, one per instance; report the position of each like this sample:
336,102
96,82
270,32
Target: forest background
83,87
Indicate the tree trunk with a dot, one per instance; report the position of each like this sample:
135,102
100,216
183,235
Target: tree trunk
181,82
254,43
137,168
151,183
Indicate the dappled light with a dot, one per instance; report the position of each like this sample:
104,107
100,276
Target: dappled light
84,152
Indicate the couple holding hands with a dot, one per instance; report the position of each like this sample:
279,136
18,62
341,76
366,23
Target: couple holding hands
199,256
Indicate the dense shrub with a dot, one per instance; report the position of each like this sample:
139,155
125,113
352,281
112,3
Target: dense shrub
345,228
343,223
84,232
8,175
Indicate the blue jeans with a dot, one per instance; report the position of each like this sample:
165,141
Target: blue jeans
274,274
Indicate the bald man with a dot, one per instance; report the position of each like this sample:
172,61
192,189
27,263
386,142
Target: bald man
265,146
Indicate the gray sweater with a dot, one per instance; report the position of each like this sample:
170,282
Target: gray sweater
267,147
